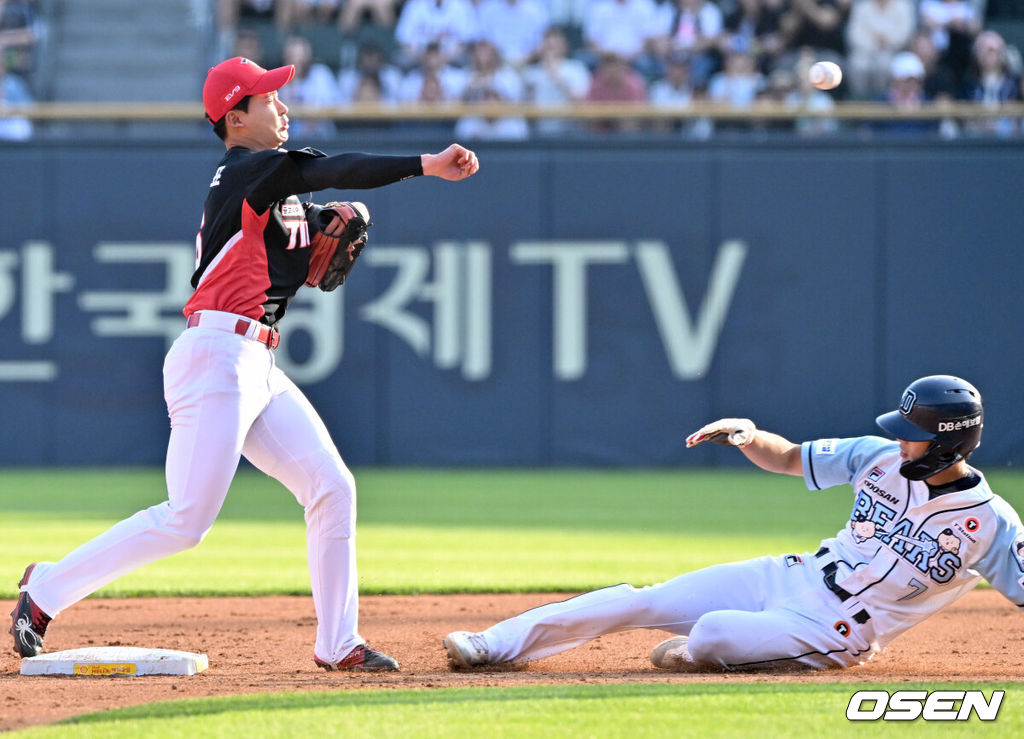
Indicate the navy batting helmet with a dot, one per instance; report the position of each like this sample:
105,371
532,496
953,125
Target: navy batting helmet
944,410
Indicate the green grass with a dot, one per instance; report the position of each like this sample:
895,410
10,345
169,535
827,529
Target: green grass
639,710
471,530
443,530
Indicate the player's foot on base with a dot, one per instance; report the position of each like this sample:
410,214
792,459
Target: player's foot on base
28,622
672,654
466,649
361,659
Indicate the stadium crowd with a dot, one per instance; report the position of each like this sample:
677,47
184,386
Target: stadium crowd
666,52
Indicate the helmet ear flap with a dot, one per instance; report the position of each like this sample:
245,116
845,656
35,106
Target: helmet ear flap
936,459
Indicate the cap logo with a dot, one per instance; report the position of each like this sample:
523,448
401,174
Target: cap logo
231,94
907,403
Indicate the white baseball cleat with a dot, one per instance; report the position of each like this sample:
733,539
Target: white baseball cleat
466,649
672,654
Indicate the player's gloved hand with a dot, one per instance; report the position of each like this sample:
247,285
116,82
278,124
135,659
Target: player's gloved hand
338,236
729,431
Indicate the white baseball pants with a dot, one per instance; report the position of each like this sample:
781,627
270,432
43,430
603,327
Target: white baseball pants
764,612
227,398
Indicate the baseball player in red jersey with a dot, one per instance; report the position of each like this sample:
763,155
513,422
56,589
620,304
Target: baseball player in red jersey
225,394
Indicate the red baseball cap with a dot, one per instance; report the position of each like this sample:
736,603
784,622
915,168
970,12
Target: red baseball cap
232,80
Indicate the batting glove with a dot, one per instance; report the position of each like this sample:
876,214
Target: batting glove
727,431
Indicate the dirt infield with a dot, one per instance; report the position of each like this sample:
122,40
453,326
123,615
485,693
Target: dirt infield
265,645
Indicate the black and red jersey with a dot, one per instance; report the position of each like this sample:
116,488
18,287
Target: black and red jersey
252,249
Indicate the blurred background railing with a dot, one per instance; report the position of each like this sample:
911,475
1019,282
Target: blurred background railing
512,69
386,112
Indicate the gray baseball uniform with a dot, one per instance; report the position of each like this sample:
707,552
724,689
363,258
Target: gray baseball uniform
907,551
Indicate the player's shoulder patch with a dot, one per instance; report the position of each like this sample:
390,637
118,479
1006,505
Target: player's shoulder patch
825,446
306,152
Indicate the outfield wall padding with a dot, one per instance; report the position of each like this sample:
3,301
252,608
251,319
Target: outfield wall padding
588,303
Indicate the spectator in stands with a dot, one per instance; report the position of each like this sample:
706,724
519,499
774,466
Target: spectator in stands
18,35
248,44
819,24
370,61
487,71
434,80
939,81
228,13
876,31
431,84
450,24
291,13
13,92
675,90
905,92
368,89
381,12
991,82
490,128
515,27
432,90
312,86
780,88
953,24
626,29
753,26
694,28
616,81
739,83
807,97
555,79
906,81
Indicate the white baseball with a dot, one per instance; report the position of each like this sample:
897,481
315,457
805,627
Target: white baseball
825,75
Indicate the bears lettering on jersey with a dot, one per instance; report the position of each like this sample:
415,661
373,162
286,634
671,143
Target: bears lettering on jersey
936,556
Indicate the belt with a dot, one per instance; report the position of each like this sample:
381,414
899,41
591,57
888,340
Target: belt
829,572
236,324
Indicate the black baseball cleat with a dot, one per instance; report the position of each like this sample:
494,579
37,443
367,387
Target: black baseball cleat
362,659
28,622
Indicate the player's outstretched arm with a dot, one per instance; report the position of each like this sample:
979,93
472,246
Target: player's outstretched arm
767,450
454,163
774,453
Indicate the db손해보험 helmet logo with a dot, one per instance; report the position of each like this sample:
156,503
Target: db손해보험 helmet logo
907,402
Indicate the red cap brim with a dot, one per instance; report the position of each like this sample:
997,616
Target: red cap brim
274,79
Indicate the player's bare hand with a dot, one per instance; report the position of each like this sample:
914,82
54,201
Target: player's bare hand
729,431
454,163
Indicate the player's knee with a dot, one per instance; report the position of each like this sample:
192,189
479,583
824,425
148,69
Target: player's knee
710,641
191,530
328,476
332,504
191,538
186,526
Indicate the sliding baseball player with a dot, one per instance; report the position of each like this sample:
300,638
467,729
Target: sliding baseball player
924,529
